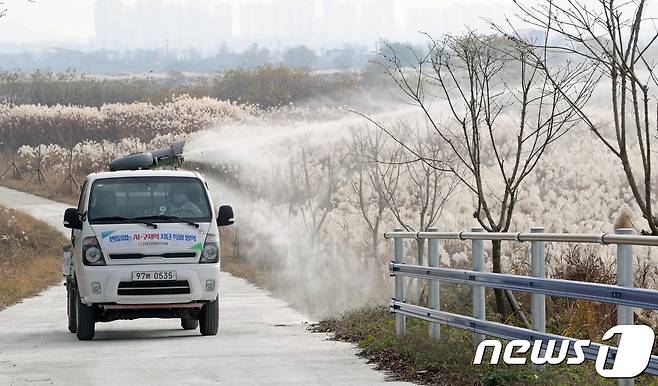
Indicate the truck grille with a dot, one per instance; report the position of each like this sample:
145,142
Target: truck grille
154,287
169,255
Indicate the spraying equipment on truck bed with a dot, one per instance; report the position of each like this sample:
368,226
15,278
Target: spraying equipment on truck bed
171,156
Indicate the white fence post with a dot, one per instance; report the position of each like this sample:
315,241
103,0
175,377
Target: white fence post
625,279
478,291
434,289
538,261
400,320
624,275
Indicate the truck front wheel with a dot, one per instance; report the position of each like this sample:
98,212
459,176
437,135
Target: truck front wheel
209,319
86,322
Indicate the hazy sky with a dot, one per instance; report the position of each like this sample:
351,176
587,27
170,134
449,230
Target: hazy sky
73,20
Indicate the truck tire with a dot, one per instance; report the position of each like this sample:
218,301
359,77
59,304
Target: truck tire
189,324
71,301
209,319
86,323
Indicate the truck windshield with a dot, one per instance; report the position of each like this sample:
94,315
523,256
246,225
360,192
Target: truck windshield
114,200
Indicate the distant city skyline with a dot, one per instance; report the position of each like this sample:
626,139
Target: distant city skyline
209,25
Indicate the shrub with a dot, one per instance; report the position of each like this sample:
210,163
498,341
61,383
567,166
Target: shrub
68,125
273,86
579,318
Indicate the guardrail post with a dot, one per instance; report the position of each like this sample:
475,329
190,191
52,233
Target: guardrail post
400,320
478,291
538,261
434,289
625,279
624,275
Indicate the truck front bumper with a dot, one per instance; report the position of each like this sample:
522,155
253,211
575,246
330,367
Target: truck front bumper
115,282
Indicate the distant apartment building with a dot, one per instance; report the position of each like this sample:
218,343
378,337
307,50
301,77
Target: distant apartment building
207,25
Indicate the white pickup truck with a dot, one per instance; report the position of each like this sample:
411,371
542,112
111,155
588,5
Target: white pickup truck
144,244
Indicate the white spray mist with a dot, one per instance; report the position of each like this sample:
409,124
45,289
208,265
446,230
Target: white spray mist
287,183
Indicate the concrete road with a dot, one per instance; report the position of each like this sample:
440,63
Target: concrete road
262,341
49,211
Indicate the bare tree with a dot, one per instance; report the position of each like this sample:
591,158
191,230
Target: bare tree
70,131
237,168
376,168
414,189
314,187
608,35
502,114
425,188
10,143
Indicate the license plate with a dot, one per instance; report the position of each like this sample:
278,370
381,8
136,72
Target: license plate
154,275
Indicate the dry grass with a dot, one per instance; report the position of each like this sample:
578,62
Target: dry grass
234,262
55,187
29,256
51,189
579,318
448,361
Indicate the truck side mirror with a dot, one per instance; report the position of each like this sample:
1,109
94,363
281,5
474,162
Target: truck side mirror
72,219
225,216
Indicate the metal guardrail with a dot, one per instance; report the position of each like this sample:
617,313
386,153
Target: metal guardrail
538,235
606,293
623,294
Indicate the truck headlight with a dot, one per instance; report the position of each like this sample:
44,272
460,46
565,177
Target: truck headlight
91,252
210,252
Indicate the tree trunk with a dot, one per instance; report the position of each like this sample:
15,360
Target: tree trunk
500,294
375,245
16,171
236,241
